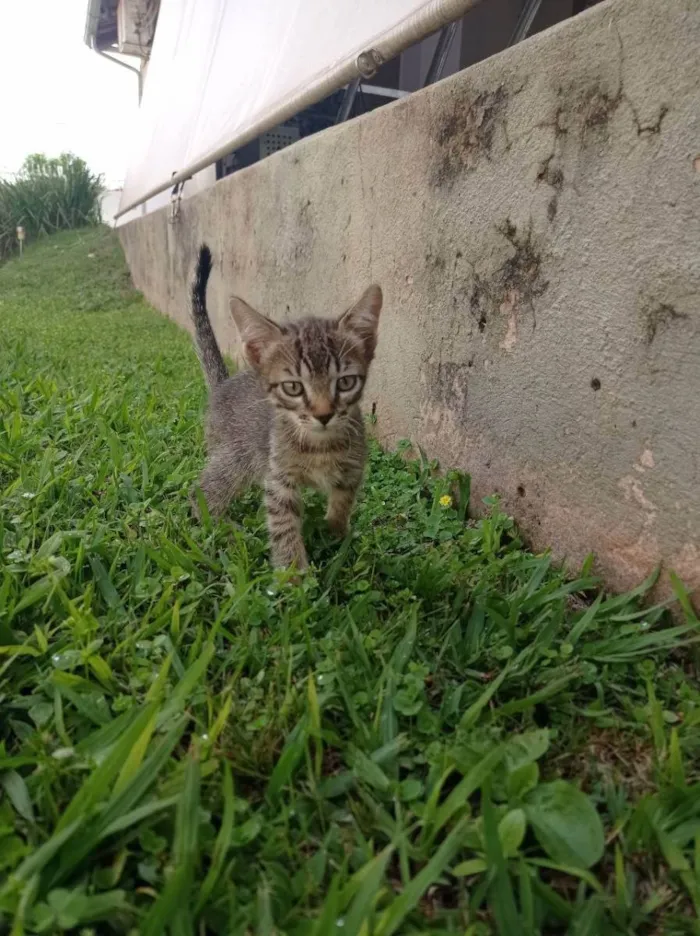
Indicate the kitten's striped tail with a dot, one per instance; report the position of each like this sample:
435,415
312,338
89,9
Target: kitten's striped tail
208,351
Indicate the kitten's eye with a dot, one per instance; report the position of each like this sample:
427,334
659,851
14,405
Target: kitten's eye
293,387
348,382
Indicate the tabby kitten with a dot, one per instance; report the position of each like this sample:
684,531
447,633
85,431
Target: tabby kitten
294,419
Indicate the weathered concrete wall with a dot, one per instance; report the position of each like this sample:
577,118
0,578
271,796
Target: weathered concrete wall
535,224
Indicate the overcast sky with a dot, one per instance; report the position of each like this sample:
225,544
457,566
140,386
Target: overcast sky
56,94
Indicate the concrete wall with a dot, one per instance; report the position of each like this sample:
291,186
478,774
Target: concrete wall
535,224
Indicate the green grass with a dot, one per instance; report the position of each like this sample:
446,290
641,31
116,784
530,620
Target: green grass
435,732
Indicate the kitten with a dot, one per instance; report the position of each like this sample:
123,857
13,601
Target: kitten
292,420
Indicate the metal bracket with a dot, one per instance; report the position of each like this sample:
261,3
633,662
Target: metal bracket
175,200
348,100
525,21
442,50
367,64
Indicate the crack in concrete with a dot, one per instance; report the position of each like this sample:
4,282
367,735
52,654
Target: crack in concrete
364,200
650,129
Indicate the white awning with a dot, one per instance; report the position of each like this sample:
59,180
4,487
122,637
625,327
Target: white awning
222,72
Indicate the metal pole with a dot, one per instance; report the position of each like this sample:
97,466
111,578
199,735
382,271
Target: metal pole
442,50
111,59
525,21
348,100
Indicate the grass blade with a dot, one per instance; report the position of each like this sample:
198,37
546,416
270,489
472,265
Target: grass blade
173,908
222,845
392,918
467,786
362,907
502,899
98,784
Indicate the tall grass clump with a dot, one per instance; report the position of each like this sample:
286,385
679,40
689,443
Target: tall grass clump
48,195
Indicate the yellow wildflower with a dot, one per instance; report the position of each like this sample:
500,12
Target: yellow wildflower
446,500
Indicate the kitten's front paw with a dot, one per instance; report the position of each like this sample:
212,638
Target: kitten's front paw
283,559
301,563
338,526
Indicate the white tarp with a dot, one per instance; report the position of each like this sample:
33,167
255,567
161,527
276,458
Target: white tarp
223,71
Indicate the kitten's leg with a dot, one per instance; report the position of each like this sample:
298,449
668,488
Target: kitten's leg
219,482
341,500
283,503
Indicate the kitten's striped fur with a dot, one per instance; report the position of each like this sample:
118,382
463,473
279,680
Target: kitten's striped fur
292,420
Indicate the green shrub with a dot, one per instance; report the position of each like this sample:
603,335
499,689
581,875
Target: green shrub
48,195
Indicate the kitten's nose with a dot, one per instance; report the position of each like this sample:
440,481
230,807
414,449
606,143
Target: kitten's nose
325,418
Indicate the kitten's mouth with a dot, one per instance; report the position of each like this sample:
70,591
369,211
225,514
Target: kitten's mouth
317,430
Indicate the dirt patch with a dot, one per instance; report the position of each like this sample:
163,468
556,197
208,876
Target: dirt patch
658,316
465,135
551,175
651,129
595,106
435,262
515,285
480,301
301,247
598,107
522,272
448,383
584,112
612,758
444,399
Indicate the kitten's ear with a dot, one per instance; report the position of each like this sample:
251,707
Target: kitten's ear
363,319
256,330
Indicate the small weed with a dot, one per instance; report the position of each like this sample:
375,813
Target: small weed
436,731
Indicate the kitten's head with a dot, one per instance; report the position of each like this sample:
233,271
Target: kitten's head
314,369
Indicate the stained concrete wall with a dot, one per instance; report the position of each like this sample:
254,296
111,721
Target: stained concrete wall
535,224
